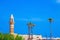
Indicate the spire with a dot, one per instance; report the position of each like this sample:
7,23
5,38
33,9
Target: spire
12,24
12,16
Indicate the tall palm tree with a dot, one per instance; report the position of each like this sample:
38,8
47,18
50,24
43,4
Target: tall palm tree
30,25
50,21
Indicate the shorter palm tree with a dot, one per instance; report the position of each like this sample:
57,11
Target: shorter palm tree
30,25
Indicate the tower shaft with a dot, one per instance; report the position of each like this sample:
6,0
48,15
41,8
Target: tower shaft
12,25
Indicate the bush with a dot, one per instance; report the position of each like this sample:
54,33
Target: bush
19,38
10,37
1,36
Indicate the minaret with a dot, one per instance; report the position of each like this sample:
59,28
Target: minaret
11,24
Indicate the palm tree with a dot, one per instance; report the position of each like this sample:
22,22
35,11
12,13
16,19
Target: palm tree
30,25
50,21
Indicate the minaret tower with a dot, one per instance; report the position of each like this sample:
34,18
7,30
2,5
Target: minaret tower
11,24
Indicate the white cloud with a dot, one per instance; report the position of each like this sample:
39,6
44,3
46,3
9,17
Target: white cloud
58,1
30,19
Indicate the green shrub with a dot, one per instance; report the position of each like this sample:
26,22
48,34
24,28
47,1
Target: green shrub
10,37
19,38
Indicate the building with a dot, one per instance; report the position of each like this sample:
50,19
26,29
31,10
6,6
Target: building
35,37
12,24
24,36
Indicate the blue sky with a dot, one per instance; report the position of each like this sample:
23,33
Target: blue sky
36,11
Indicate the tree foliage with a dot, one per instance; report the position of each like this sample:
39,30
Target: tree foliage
19,38
10,37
